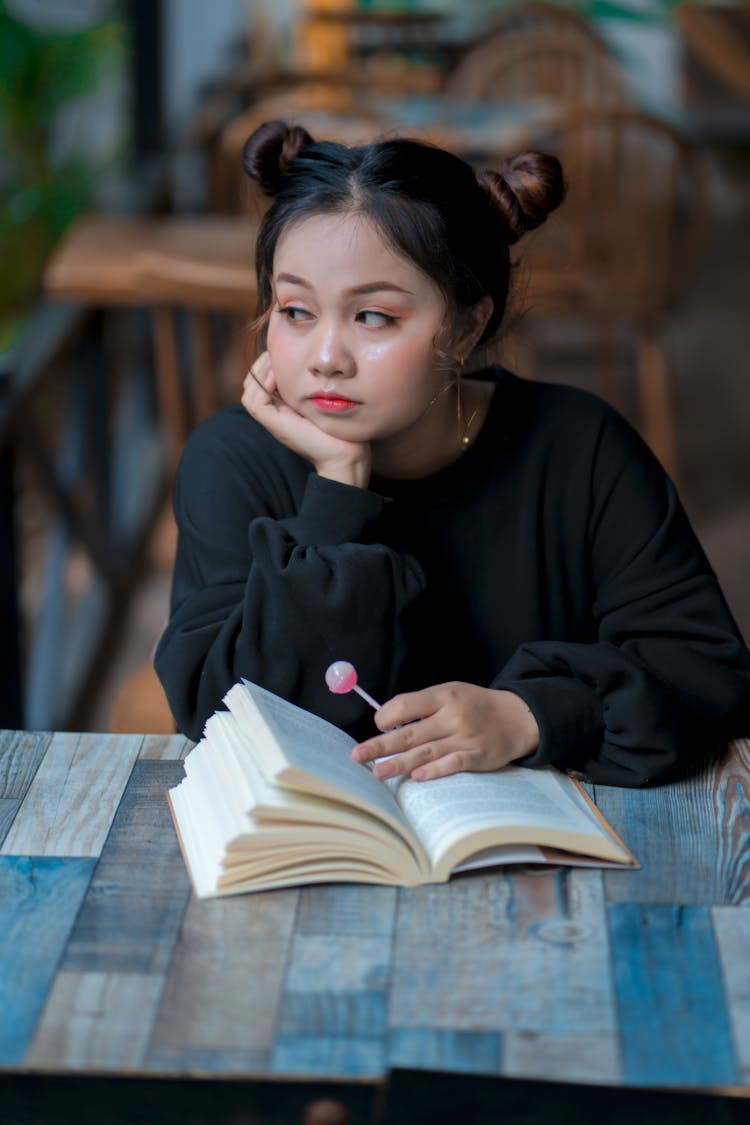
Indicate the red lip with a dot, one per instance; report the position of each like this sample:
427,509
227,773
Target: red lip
335,404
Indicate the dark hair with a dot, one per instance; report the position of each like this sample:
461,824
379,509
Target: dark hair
454,224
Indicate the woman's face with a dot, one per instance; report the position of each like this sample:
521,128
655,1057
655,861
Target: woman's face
352,332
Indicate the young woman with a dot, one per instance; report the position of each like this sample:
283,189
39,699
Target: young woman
504,562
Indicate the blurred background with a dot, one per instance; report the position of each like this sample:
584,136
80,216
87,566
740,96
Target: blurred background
127,292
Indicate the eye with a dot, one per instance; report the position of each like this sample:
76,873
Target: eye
372,319
294,313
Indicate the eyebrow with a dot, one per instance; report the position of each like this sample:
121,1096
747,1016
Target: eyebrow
370,287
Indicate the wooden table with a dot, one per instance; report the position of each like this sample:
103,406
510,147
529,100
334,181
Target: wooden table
525,997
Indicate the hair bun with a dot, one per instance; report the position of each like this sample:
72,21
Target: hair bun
525,190
270,150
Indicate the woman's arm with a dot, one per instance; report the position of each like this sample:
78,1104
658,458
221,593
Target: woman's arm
278,572
669,675
666,679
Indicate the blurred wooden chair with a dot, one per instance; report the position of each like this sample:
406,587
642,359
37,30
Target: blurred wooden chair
211,290
186,271
718,36
198,267
561,63
620,252
523,15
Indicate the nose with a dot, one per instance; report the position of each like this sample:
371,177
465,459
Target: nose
329,354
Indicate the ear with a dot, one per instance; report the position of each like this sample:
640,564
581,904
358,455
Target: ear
473,324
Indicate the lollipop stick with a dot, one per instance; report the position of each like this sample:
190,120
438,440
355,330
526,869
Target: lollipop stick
368,698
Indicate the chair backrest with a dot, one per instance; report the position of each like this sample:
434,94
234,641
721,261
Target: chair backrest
628,233
539,14
201,286
558,63
719,37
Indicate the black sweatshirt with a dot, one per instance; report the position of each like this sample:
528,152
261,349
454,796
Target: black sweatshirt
554,560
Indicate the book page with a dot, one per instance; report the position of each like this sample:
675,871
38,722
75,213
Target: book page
302,751
505,854
517,805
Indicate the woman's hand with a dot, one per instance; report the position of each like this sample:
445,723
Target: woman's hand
345,461
449,728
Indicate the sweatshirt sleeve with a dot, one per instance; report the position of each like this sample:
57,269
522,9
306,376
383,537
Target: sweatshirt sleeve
668,676
273,580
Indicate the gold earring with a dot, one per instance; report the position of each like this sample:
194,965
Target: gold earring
439,395
464,434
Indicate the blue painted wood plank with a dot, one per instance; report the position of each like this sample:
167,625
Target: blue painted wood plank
732,934
692,837
328,1056
347,909
349,1014
224,986
9,806
430,1048
69,806
674,1028
505,953
214,1061
333,1011
21,753
165,747
131,917
39,900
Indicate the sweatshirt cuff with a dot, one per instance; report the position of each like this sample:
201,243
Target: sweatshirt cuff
333,513
569,716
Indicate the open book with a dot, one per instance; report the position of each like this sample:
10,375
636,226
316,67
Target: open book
273,798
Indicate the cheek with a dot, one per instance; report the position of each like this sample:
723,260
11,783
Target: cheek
407,372
275,338
405,355
284,352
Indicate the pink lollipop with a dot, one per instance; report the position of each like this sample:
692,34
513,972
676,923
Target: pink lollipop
341,677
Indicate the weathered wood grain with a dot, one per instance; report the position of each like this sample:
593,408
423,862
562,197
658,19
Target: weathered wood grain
96,1021
520,975
20,755
39,900
446,970
165,747
521,953
131,916
732,798
673,1022
69,806
9,806
333,1013
457,1052
347,909
329,1056
692,837
732,933
565,1056
220,1004
565,1020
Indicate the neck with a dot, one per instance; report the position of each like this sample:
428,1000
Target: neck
435,442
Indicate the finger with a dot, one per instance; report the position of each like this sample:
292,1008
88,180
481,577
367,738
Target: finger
400,740
260,398
410,706
261,368
447,764
261,376
253,389
403,764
